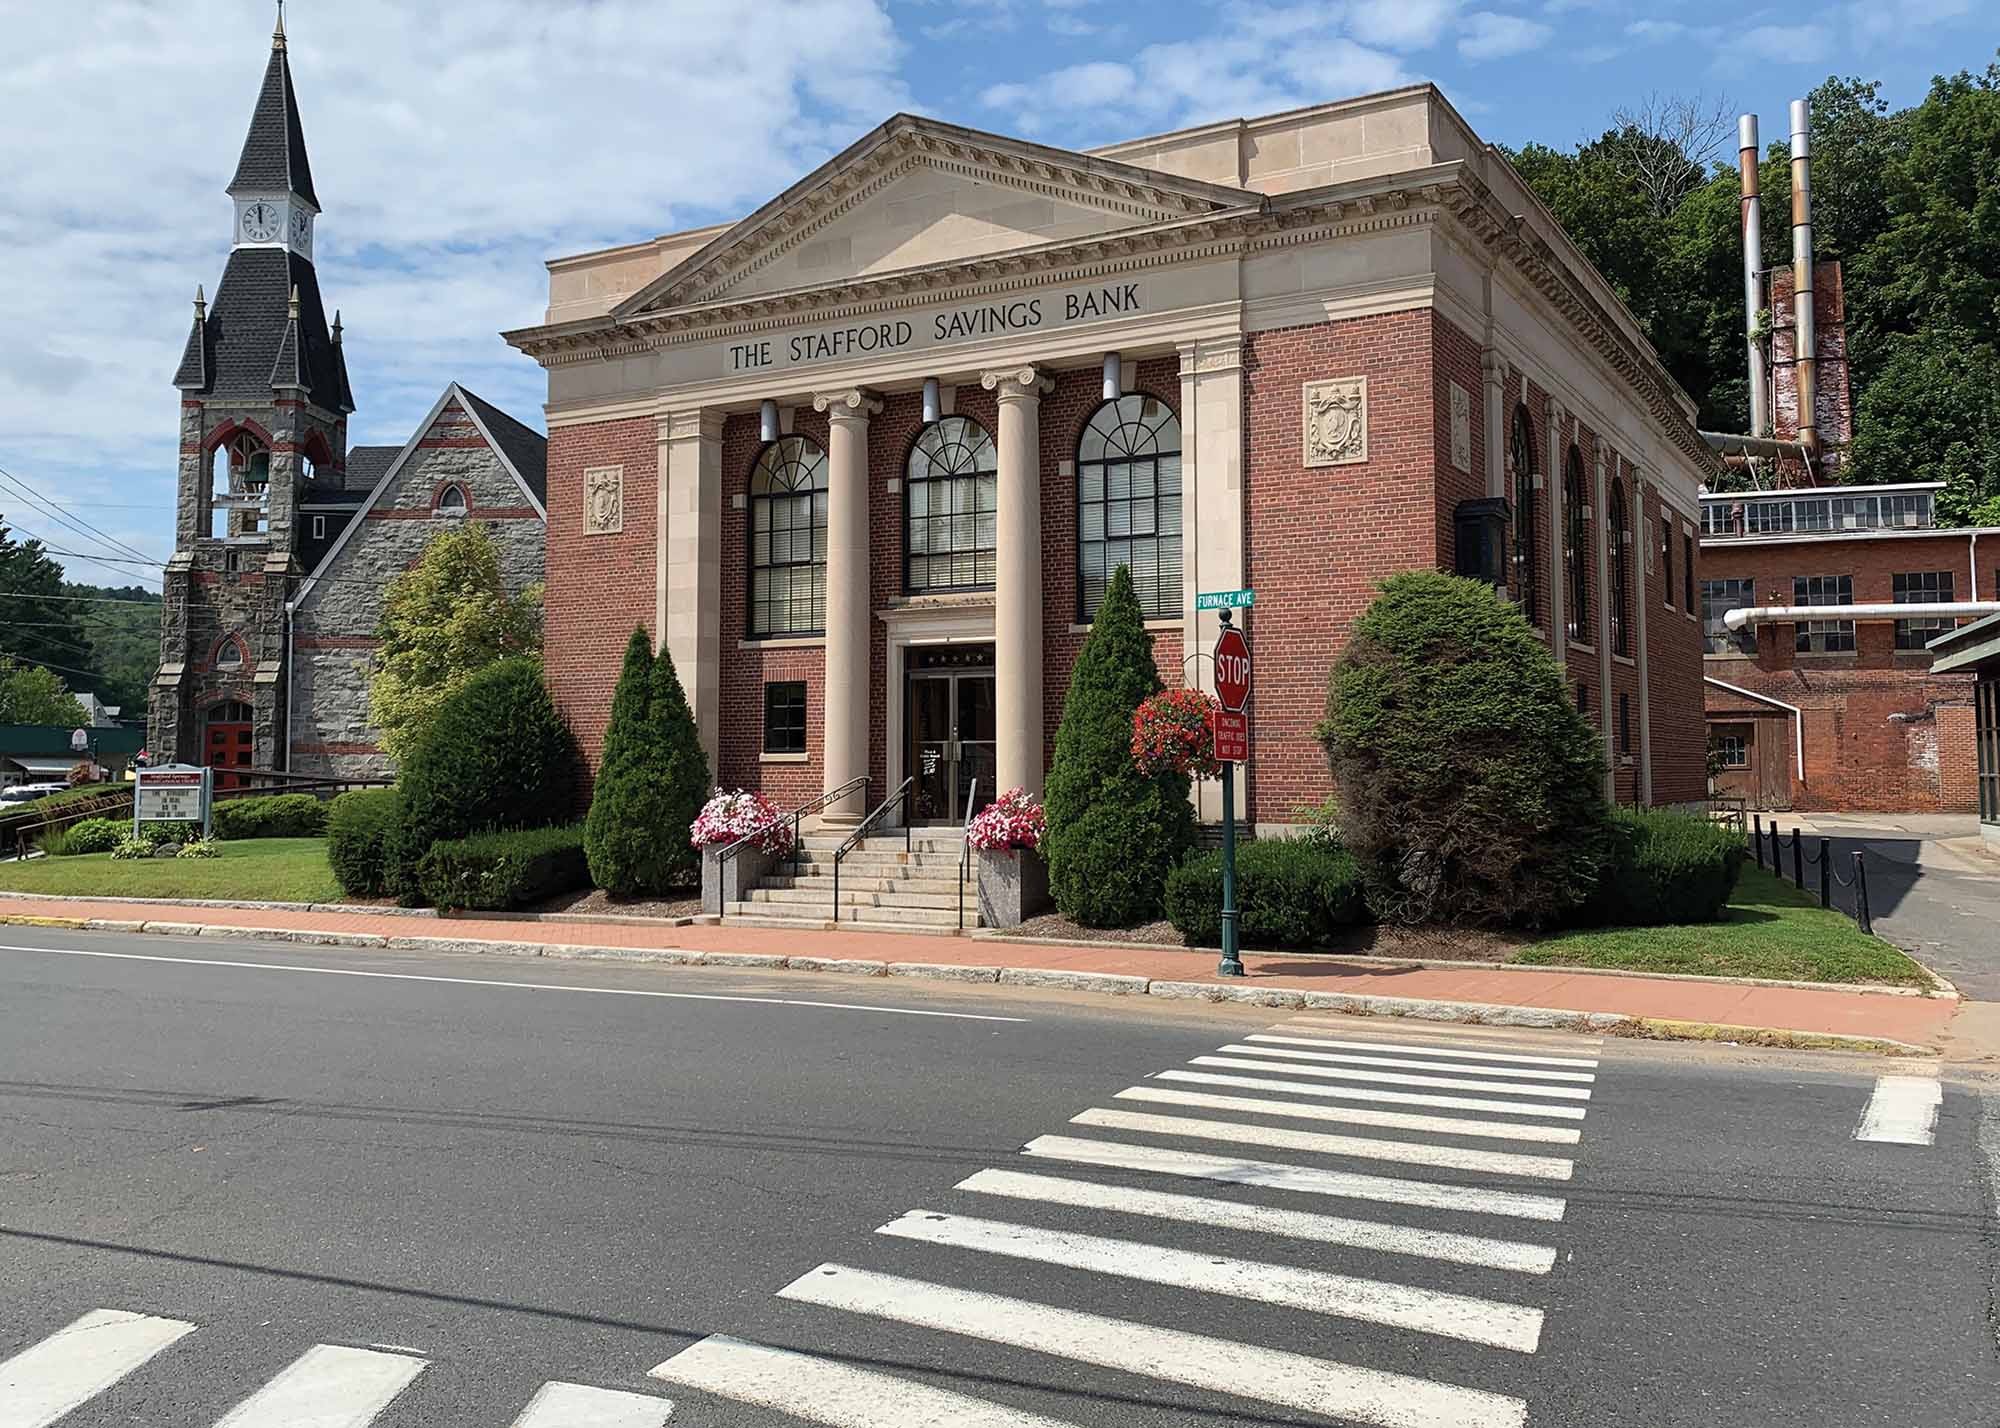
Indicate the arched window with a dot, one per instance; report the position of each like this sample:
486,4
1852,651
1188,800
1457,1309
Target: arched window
1128,504
1527,573
950,496
1576,549
239,475
230,711
788,539
451,500
1617,532
229,655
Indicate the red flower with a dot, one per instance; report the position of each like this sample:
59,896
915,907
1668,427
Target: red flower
1175,731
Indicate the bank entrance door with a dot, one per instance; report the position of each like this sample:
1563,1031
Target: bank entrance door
952,724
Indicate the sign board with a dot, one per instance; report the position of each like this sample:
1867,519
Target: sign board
1225,600
79,741
1232,736
1232,669
172,793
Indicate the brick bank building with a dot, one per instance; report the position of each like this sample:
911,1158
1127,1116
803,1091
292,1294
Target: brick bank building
864,460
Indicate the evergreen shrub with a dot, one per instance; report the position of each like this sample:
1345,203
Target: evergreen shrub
651,784
358,830
1664,867
1290,892
283,815
92,835
1113,832
1471,790
495,871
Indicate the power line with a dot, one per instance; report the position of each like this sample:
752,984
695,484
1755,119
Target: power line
109,562
57,509
45,664
79,599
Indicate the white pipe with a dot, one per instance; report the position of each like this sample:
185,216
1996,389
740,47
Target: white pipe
767,420
1805,354
1798,717
288,686
1748,152
1113,375
933,401
1788,614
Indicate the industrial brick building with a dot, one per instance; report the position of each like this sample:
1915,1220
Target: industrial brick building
864,460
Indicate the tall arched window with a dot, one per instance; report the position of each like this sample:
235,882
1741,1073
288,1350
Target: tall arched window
1527,572
788,539
1128,504
950,497
1619,534
1576,548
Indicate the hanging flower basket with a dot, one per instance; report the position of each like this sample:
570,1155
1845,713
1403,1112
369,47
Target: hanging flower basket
729,816
1174,732
1013,820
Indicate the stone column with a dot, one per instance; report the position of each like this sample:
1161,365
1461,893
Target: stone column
1642,578
1212,541
1600,508
1493,368
1556,487
688,577
1017,586
845,724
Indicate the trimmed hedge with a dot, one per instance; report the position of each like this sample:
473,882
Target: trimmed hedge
1290,892
494,871
1664,867
358,828
283,815
92,835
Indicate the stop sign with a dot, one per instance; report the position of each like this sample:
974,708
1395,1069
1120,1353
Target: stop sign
1232,669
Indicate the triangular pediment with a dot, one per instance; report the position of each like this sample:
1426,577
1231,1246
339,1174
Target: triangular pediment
917,193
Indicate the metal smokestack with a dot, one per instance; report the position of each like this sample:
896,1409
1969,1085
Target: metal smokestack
1747,150
1806,372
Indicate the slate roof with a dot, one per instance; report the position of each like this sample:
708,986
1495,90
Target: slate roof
524,447
365,465
274,151
234,355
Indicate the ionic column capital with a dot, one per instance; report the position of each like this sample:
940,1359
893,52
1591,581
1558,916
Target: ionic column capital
1018,384
848,404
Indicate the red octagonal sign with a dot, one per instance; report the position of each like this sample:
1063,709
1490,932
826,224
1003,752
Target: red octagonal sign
1232,669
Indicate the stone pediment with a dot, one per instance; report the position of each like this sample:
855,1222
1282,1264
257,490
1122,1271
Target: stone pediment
917,193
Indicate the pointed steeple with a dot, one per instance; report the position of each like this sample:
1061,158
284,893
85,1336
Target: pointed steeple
292,368
274,151
193,373
345,392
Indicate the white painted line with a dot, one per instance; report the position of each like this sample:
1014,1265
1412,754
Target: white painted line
572,1405
1363,1395
1355,1115
1457,1031
1396,1078
1306,1179
1404,1063
328,1386
1265,1219
1372,1301
1360,1093
514,986
827,1391
1903,1110
76,1363
1463,1052
1409,1152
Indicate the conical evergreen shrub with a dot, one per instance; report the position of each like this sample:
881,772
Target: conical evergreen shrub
684,783
613,843
1114,833
651,784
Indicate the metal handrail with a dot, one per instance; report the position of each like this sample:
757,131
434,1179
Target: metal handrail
799,814
965,853
868,821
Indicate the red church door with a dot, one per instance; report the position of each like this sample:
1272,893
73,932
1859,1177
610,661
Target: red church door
229,743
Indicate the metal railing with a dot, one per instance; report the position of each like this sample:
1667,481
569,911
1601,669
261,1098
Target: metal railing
1829,875
965,854
868,821
798,816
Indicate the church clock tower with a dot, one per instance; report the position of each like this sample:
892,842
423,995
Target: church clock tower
264,408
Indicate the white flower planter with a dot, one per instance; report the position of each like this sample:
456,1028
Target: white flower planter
1013,886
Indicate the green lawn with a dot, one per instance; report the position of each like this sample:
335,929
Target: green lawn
1772,930
263,869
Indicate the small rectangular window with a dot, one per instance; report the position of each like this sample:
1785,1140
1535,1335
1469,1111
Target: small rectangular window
1733,751
1582,698
1718,598
1924,587
1823,636
1687,573
785,717
1667,557
319,528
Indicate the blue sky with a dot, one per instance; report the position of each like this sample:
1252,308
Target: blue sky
457,143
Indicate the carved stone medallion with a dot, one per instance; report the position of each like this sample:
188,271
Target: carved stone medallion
604,500
1336,422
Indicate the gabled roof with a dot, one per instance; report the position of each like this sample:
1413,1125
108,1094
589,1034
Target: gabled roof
244,336
523,448
1146,195
365,465
274,151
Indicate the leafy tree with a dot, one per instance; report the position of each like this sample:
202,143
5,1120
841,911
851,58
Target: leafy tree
122,626
651,784
442,621
30,694
1114,833
1933,414
36,624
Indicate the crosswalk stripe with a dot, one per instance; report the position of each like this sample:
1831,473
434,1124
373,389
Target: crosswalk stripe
1394,1078
1902,1111
76,1363
1457,1031
1355,1115
1404,1063
1464,1052
822,1390
1234,1170
1363,1395
1457,1316
1447,1157
1210,1212
1359,1093
328,1386
574,1405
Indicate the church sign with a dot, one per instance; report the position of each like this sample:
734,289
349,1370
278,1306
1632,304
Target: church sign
937,328
173,793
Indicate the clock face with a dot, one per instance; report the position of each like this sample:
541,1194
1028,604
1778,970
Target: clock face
262,221
302,230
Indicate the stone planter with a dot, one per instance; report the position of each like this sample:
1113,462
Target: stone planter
1013,885
723,883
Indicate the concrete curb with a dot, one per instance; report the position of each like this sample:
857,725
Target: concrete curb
1107,983
228,904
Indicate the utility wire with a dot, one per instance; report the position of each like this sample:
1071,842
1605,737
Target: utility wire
45,664
78,523
79,599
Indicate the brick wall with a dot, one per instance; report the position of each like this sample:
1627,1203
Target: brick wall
1673,664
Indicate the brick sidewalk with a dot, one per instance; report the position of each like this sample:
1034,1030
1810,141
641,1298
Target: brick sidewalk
1918,1020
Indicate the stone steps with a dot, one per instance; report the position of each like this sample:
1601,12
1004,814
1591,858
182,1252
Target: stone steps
885,885
904,929
818,913
822,897
851,881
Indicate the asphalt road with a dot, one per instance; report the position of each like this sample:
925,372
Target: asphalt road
490,1175
1926,902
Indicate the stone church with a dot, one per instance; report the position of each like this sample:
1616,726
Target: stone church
285,536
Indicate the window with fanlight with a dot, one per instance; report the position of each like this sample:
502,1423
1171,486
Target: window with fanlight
1576,548
1619,533
951,491
451,500
1128,504
787,511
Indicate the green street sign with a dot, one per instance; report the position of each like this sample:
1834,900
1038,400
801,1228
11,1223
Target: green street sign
1225,600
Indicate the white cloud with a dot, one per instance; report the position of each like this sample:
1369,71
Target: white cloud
1656,31
1490,36
1401,24
1785,44
1876,21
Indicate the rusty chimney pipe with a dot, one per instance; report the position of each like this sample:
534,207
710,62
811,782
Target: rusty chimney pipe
1806,348
1747,150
